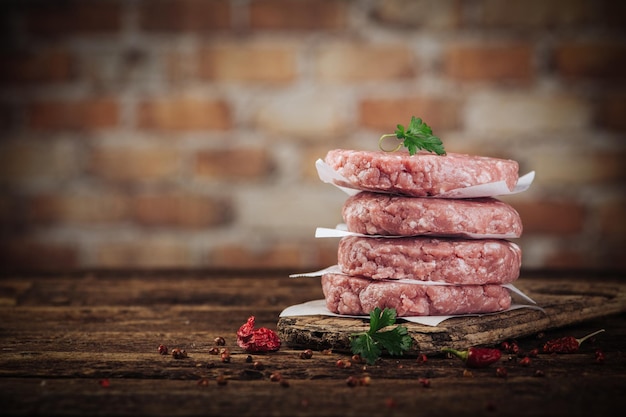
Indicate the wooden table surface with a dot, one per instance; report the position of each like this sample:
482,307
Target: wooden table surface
85,343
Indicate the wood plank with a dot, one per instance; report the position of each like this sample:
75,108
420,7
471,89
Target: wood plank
565,302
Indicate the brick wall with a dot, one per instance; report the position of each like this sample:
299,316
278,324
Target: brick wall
183,133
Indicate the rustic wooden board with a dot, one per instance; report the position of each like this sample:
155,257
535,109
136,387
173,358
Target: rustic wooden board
565,302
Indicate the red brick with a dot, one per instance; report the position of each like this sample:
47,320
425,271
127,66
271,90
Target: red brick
501,62
185,15
442,14
140,164
352,62
298,15
277,255
598,60
569,259
26,254
85,114
612,215
234,164
248,63
535,14
77,209
46,65
73,17
551,217
180,210
29,162
611,112
184,114
558,167
384,114
143,253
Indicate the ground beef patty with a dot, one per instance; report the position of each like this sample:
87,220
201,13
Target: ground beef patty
358,296
420,175
454,261
391,215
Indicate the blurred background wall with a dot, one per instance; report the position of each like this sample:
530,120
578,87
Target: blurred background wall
183,133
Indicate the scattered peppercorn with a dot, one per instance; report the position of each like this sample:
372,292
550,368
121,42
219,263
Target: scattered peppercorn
306,354
179,353
220,341
525,361
425,382
501,372
104,383
539,373
357,359
422,358
214,351
365,380
467,373
599,356
567,344
162,349
225,355
258,366
352,381
276,376
343,364
221,380
533,353
249,359
203,382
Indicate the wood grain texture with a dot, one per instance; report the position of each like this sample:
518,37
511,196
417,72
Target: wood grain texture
62,336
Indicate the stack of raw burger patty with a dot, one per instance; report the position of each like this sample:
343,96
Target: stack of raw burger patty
460,243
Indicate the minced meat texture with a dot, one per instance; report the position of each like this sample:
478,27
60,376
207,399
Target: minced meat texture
349,295
420,175
391,215
453,261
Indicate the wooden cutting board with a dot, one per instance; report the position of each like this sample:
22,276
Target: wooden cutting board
564,302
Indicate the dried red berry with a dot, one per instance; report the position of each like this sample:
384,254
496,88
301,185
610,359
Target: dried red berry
257,340
501,372
162,349
179,353
352,381
220,341
276,376
306,354
424,381
422,358
221,380
525,361
214,351
104,383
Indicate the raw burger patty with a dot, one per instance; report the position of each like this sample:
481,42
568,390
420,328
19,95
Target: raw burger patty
421,175
391,215
454,261
358,296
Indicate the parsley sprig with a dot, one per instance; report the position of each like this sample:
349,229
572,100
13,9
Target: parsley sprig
370,344
418,135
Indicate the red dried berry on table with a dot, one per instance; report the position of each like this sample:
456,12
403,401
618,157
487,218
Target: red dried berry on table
162,349
257,340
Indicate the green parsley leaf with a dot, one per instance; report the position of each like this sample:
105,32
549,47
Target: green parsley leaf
418,135
371,344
